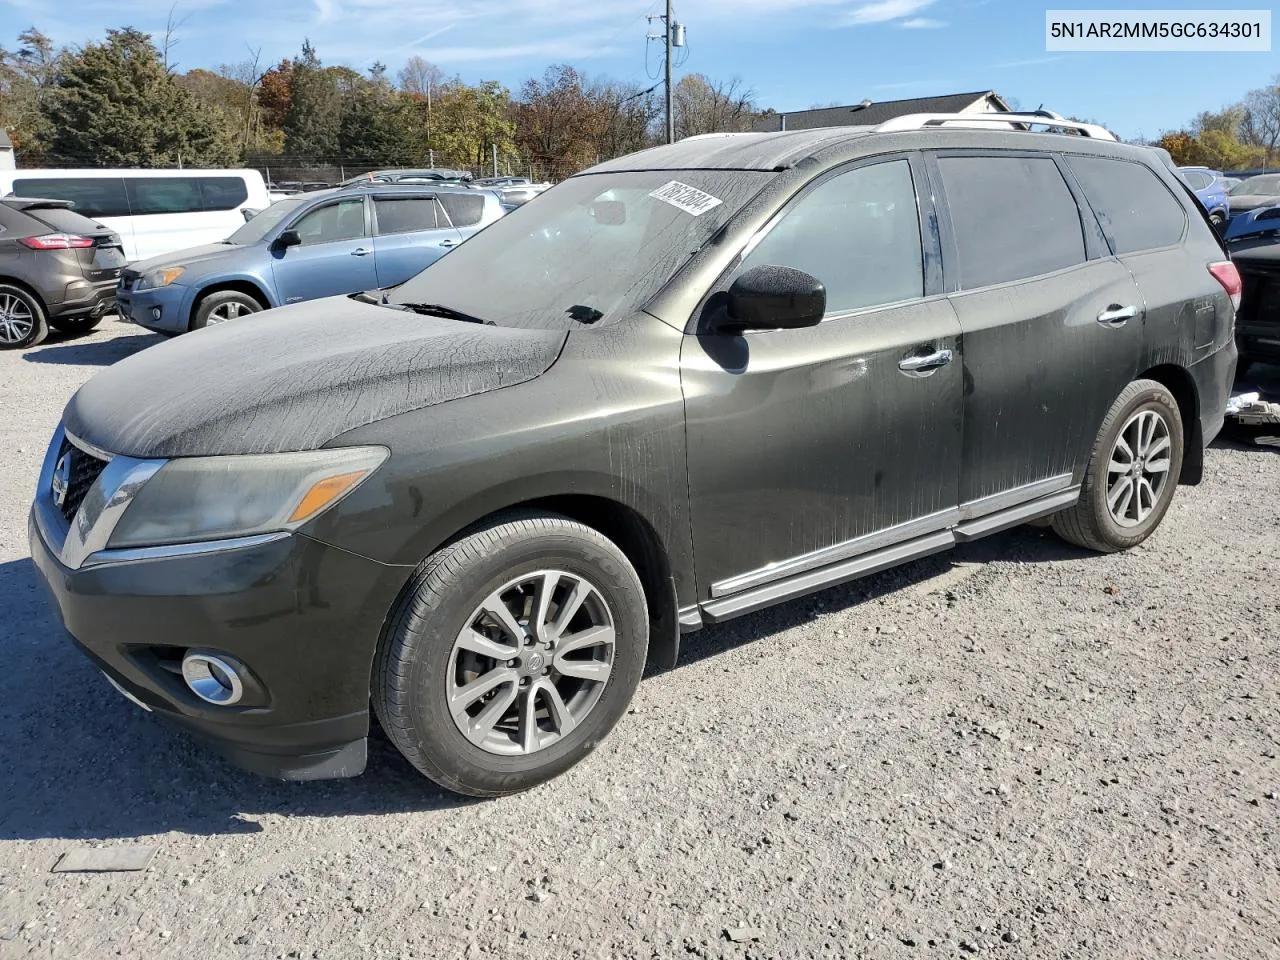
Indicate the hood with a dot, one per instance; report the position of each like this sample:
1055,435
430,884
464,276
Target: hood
296,377
187,257
1248,201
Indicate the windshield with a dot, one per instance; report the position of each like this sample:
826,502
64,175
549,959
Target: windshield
263,223
591,249
1265,186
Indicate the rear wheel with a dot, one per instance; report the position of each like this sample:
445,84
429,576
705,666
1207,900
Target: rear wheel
1218,219
511,654
75,325
1132,472
223,306
22,319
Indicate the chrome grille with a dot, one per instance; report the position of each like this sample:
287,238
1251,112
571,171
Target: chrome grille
74,474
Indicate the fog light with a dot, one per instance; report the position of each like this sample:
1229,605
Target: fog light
212,679
155,313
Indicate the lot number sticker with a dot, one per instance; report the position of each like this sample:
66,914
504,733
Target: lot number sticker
684,197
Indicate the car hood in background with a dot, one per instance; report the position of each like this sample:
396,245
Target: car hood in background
1250,201
295,378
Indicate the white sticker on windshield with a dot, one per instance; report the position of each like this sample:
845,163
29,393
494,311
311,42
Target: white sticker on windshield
684,197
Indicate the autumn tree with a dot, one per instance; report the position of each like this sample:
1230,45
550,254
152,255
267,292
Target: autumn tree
705,106
27,76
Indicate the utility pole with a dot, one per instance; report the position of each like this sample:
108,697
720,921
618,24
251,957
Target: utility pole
671,117
672,36
495,159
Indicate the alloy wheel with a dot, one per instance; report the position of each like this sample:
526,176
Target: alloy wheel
227,311
17,320
530,663
1139,468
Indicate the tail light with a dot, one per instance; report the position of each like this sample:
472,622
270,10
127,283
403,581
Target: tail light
56,241
1225,273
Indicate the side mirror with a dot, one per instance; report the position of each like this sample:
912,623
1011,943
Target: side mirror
775,298
289,238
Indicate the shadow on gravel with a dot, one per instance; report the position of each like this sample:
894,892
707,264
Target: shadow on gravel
1020,545
85,350
81,762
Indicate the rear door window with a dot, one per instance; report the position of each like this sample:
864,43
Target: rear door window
1134,207
465,210
859,233
1013,218
92,196
404,214
148,195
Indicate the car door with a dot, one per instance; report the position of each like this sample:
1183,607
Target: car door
1052,323
410,234
808,447
335,255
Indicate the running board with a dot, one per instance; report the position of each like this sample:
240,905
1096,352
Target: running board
810,581
750,600
1012,516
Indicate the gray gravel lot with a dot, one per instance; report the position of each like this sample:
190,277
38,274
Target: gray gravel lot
1016,750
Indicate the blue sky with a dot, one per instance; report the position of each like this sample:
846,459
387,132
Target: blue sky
792,53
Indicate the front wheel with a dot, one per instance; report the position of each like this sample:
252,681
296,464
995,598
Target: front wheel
1132,472
511,653
223,306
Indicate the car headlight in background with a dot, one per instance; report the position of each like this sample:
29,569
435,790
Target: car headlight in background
216,498
160,278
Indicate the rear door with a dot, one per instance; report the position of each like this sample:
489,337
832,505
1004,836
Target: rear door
410,234
816,445
335,256
1051,321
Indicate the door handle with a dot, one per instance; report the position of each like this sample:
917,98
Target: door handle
361,252
449,243
927,364
1116,315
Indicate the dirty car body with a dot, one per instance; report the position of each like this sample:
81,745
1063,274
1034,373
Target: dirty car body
607,385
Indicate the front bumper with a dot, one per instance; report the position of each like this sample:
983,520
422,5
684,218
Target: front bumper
301,616
164,309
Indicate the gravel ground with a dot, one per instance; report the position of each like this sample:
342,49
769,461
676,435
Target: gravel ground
1016,750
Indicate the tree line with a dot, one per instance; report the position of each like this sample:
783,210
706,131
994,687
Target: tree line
1242,136
121,102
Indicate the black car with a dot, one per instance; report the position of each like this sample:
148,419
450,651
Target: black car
710,377
57,269
1258,323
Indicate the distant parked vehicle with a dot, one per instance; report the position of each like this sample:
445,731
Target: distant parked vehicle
1230,182
1254,241
1210,190
412,175
513,190
57,269
302,247
154,211
1255,192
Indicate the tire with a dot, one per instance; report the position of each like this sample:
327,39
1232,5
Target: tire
223,305
422,660
76,326
1093,523
22,319
1218,219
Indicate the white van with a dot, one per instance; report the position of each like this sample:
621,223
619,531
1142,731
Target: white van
154,211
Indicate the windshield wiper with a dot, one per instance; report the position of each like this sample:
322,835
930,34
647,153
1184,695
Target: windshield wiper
439,310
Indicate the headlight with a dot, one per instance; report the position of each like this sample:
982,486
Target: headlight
214,498
160,278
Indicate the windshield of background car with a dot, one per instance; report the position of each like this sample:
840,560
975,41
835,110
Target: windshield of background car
1266,186
597,246
266,221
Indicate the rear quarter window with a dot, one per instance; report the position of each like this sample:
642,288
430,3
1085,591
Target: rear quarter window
1013,218
465,210
65,221
1133,206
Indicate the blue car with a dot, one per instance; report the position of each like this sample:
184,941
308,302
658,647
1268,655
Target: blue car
1210,189
313,245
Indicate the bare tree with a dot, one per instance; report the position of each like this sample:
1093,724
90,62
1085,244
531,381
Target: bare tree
171,28
420,76
1260,124
704,106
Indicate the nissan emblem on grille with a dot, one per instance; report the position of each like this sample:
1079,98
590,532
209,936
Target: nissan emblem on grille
61,480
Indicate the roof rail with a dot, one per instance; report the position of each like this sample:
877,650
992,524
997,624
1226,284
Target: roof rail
712,136
917,121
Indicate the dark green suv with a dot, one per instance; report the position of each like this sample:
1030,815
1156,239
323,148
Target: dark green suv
675,388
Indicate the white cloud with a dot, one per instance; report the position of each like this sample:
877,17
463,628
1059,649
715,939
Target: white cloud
922,23
884,11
